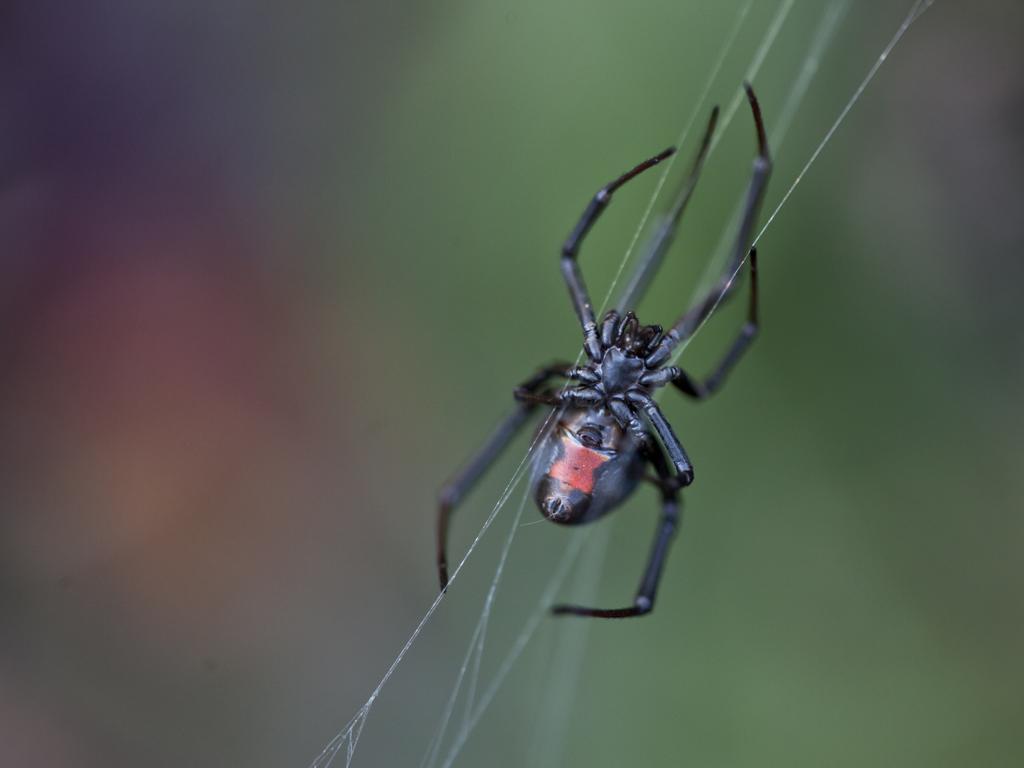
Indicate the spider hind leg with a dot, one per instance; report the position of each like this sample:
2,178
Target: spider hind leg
643,603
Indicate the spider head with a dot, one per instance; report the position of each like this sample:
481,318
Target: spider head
631,337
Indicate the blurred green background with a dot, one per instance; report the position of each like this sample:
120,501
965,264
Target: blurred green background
270,272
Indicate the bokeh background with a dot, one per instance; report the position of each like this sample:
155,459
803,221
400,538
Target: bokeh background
269,272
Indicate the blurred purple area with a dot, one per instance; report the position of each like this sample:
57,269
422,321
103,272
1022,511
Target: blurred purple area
169,428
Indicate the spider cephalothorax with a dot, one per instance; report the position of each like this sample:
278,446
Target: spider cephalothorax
628,367
594,456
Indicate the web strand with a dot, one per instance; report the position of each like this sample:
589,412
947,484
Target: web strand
916,11
753,69
629,296
349,735
555,711
645,270
522,640
820,40
476,648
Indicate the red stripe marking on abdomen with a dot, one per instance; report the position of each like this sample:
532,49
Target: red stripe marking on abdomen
576,466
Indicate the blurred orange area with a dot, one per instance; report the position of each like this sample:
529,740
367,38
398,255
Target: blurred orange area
155,403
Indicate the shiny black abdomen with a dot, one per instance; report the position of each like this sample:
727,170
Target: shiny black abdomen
579,479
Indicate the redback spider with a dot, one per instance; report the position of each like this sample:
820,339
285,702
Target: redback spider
596,454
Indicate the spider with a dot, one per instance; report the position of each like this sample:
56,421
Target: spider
599,448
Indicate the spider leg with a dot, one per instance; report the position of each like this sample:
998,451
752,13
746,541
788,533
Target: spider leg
702,389
676,452
662,237
456,488
691,320
609,328
644,601
582,397
570,250
629,421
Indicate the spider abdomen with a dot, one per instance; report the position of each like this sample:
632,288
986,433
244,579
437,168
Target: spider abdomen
583,476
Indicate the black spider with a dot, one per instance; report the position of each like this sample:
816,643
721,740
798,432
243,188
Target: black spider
595,456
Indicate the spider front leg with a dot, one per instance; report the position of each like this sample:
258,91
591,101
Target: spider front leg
643,603
693,318
454,491
664,233
570,251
